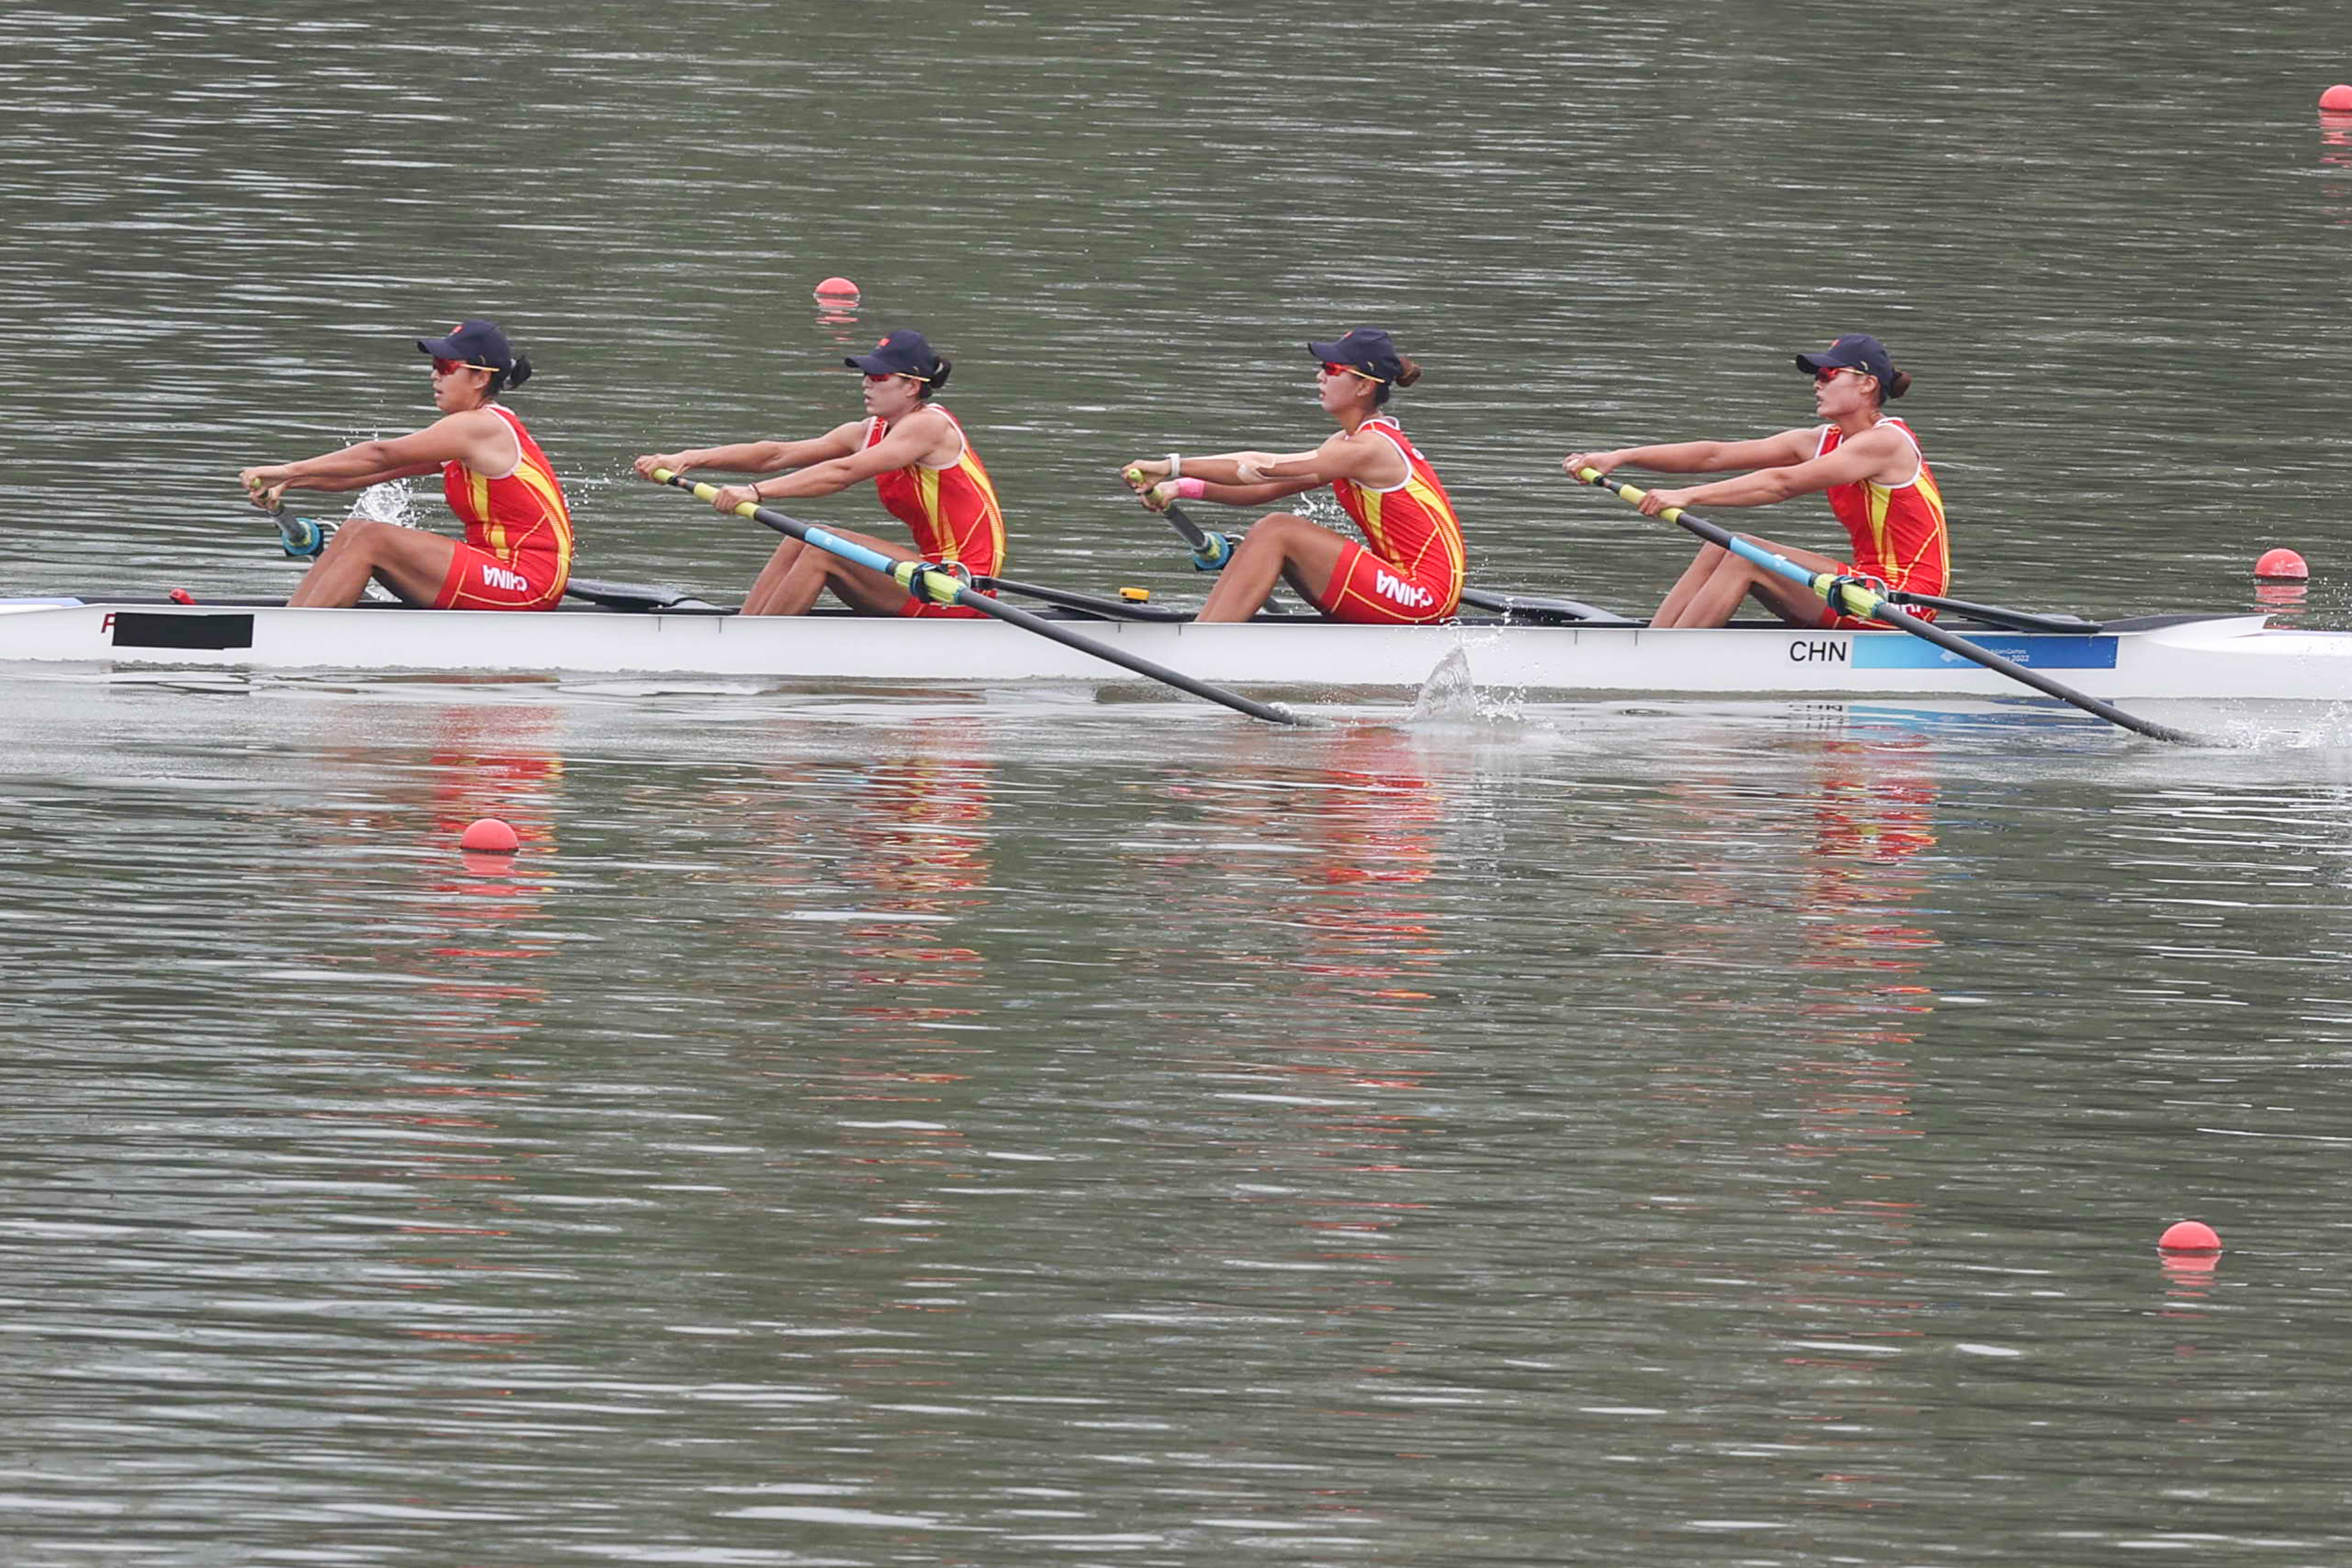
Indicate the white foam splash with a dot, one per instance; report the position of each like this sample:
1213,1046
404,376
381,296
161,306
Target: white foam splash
391,502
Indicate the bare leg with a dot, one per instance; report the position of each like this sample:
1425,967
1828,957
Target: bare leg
1713,600
411,563
1280,544
771,579
798,573
1670,612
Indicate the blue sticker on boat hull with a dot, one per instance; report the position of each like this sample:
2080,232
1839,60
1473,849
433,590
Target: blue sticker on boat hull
1882,650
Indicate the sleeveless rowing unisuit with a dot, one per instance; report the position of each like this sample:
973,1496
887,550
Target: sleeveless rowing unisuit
517,553
1413,570
1897,531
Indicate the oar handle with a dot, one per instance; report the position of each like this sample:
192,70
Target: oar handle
1851,598
1210,550
927,579
299,537
1848,598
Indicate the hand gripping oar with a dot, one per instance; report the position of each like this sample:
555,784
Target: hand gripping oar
926,579
298,536
1210,550
1846,595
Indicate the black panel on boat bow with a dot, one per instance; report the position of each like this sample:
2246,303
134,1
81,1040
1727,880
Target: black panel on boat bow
144,628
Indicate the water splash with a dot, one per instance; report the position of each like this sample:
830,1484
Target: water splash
391,501
1450,695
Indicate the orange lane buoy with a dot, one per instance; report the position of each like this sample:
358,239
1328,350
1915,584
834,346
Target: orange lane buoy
2336,99
2281,565
837,289
2189,1236
490,836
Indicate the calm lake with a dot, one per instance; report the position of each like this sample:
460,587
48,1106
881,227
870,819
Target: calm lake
954,1128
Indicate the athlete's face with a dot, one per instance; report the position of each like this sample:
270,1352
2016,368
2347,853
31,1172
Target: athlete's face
888,396
1338,389
458,387
1838,393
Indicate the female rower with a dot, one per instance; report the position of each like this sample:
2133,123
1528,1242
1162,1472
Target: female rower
1870,464
1411,570
517,553
925,473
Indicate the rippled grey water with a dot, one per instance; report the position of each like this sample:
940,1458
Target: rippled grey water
1000,1127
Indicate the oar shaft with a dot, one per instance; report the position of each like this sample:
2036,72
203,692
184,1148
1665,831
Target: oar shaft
1210,551
944,587
1851,600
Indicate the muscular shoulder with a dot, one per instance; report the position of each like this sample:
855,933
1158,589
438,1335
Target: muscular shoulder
1375,452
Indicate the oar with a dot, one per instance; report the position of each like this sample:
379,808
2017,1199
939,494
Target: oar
298,536
925,580
1092,604
1854,599
2002,615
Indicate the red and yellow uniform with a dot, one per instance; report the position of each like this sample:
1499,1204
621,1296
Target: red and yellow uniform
1897,531
517,553
1412,572
952,511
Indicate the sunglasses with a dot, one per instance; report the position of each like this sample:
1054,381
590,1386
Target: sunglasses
452,366
1331,369
1823,377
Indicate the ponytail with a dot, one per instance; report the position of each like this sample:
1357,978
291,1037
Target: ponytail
502,379
1898,387
1407,373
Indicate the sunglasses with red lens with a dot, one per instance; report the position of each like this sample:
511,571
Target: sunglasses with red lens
1824,376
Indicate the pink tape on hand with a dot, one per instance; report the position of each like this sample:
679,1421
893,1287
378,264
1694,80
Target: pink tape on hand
1190,490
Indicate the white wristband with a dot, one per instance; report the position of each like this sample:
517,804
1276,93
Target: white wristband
1175,467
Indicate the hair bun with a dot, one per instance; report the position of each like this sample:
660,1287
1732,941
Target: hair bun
1409,372
521,371
1900,384
939,369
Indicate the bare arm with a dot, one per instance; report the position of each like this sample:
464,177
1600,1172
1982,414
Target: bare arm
922,436
476,438
361,481
1225,469
759,457
1703,457
1246,479
1879,454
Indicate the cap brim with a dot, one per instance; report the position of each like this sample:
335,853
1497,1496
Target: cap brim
439,348
870,363
1813,364
1325,351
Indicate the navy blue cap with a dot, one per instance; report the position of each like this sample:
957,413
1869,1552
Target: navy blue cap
1855,351
476,343
1367,348
901,353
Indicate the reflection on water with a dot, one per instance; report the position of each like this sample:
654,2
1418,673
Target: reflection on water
856,1120
863,1128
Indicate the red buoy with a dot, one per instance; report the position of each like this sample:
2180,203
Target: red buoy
2337,98
2281,565
837,289
2189,1236
490,836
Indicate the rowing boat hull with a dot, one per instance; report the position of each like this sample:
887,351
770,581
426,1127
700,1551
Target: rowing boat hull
2234,656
